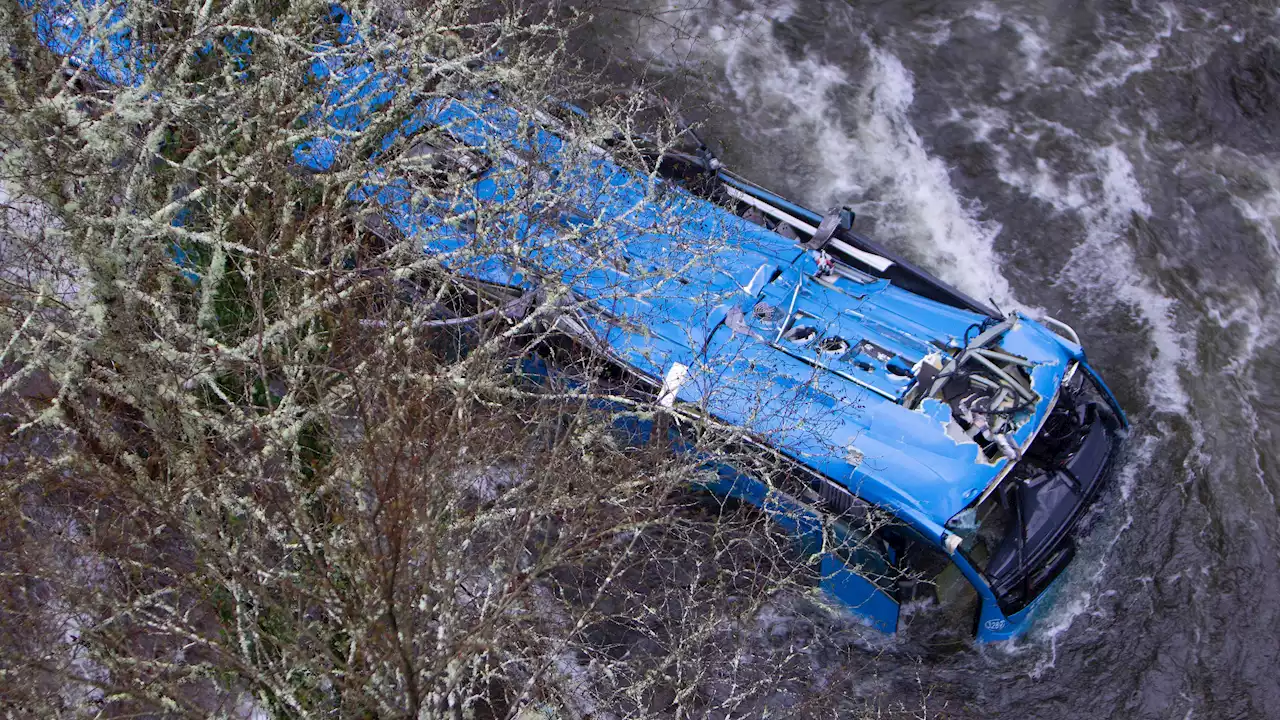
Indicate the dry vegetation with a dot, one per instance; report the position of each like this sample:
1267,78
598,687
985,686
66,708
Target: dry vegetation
283,478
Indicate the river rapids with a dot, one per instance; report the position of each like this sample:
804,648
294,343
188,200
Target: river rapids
1115,164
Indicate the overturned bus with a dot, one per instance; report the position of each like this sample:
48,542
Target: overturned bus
984,436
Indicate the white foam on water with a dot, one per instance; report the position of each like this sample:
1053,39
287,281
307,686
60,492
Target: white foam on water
675,33
1038,67
1104,262
858,137
1116,62
805,88
1066,614
1103,268
926,209
1249,311
1032,46
935,32
1259,472
987,14
1254,315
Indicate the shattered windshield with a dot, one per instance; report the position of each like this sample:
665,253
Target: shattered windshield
983,529
1018,535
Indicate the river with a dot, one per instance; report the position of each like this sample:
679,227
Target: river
1115,164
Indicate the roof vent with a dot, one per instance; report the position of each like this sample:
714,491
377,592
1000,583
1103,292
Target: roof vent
833,345
801,334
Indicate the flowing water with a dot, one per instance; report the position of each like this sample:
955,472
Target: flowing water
1117,165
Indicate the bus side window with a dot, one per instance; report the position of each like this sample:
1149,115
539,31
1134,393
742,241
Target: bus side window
865,551
928,574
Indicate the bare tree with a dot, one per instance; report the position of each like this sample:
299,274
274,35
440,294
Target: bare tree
263,455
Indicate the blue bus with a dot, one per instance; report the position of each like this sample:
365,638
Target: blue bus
929,444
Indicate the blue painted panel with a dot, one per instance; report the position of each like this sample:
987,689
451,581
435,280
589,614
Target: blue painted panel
859,594
1106,393
106,47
